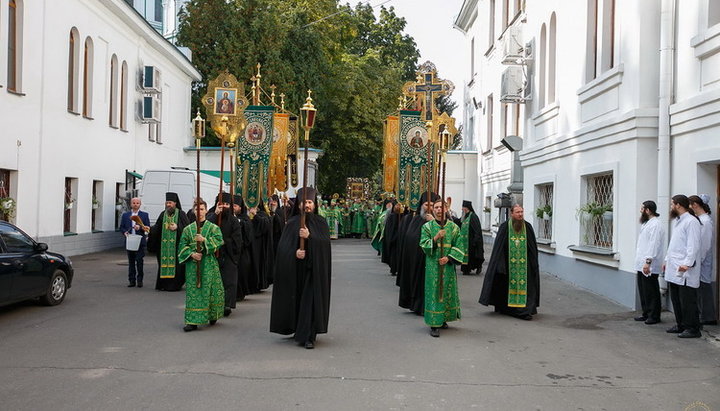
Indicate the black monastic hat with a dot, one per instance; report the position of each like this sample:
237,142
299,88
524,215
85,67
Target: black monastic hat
170,196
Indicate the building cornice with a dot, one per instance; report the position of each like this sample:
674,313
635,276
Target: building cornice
137,23
467,16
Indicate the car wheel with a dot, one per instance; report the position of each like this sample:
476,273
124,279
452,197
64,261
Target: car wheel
57,289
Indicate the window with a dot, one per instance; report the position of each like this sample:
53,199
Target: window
601,37
14,48
15,241
506,13
544,211
123,96
491,24
158,10
96,213
596,215
506,120
489,109
88,78
113,118
69,205
5,190
73,70
542,66
472,58
551,56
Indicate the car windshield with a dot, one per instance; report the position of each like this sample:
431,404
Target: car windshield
15,241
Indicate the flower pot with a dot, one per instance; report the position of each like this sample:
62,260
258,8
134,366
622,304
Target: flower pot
95,206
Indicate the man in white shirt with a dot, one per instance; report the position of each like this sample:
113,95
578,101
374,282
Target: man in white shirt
682,268
706,300
649,255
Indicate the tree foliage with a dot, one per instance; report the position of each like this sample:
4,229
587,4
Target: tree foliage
355,62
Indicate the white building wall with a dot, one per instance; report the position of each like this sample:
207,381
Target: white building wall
55,143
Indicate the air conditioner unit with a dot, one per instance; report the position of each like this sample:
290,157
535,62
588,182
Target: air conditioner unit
512,85
512,46
151,109
151,79
527,90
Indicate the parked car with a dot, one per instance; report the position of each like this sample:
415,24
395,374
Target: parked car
28,270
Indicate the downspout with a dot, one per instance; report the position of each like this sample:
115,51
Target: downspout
667,85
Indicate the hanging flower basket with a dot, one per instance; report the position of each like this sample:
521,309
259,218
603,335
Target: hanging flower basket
8,206
95,203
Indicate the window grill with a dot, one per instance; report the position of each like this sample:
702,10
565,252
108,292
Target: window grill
596,215
544,211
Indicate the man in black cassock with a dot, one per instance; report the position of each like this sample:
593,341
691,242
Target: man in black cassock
411,273
390,240
245,262
277,214
497,287
471,227
301,292
263,251
229,255
167,278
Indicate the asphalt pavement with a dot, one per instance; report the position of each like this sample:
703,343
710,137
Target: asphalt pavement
110,347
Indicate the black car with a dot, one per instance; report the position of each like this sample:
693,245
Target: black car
28,270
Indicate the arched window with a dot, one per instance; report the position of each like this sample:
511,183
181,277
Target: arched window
15,42
123,95
88,78
551,59
542,58
73,70
601,38
113,119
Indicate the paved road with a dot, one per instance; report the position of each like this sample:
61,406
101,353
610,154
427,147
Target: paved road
114,348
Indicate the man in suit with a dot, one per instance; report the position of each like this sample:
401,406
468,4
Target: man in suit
128,226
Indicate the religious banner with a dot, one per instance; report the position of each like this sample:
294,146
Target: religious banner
292,150
390,154
416,159
277,179
254,148
358,188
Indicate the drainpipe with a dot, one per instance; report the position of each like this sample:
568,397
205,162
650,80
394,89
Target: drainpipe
667,77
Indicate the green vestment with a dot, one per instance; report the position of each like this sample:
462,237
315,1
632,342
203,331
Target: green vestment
333,219
346,220
436,311
379,232
206,303
517,265
358,219
464,239
168,256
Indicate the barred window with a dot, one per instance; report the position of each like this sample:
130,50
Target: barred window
596,215
544,211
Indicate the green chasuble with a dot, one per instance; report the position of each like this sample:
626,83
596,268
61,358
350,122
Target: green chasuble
358,219
437,312
167,246
464,240
517,265
345,221
379,232
322,212
333,220
206,303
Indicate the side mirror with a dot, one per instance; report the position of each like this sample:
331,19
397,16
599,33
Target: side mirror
41,247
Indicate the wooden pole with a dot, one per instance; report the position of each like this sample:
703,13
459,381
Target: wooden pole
222,172
304,196
198,245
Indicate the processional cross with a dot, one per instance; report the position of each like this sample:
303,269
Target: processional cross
428,89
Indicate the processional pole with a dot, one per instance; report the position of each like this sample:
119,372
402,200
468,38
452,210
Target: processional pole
308,112
224,122
199,132
444,146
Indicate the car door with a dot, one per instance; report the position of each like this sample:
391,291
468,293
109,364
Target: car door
28,278
7,270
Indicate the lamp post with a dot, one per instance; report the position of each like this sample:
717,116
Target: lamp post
199,134
308,112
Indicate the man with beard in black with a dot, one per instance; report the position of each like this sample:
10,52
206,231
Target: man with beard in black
263,251
390,240
229,253
512,283
301,292
472,231
164,241
245,265
411,273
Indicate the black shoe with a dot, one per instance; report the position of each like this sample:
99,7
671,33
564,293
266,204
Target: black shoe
651,321
434,331
131,285
444,326
309,345
674,330
212,322
139,284
641,318
190,327
690,334
713,322
227,311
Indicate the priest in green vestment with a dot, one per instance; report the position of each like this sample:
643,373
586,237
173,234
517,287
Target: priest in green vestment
439,239
204,299
164,240
512,277
346,220
358,226
333,220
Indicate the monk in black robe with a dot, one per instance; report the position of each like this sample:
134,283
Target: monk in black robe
411,274
301,292
245,264
496,283
263,251
229,253
172,208
476,245
277,214
390,241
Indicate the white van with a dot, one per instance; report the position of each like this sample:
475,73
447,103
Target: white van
155,183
